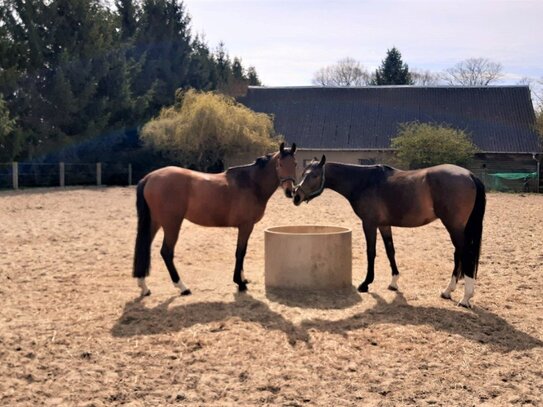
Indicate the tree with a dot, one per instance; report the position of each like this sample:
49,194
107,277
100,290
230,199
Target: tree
420,145
393,71
539,125
346,72
203,70
424,78
163,51
474,72
127,14
536,90
10,140
204,128
252,76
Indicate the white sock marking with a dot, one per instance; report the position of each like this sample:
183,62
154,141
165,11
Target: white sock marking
143,286
394,282
469,288
181,286
450,288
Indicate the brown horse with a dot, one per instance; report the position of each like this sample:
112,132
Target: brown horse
383,196
234,198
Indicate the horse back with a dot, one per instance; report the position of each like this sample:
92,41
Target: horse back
417,197
175,193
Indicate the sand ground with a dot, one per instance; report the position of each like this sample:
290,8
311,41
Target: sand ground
74,332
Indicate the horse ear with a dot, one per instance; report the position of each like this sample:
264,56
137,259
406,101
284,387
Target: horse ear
293,148
323,160
282,147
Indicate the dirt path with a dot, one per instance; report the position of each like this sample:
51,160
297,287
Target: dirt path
73,332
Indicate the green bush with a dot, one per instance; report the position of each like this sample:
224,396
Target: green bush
204,128
420,145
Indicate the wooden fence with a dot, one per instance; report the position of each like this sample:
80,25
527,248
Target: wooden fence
19,175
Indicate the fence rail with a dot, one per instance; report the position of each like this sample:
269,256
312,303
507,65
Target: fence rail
23,174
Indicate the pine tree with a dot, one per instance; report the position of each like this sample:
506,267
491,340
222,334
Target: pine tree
252,76
392,70
127,14
202,72
224,66
162,48
10,139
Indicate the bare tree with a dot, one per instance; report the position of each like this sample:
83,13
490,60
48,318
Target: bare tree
536,90
346,72
424,78
474,72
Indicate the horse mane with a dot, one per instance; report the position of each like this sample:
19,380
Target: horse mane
260,162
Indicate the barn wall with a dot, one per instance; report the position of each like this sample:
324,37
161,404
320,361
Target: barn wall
485,164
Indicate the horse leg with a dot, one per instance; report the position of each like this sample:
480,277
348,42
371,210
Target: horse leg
145,292
171,233
370,231
386,234
457,238
467,264
244,232
454,278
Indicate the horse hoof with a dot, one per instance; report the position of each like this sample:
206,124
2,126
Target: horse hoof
186,292
392,288
363,288
461,304
146,294
446,296
242,287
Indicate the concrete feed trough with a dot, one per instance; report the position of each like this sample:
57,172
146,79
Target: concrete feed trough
308,257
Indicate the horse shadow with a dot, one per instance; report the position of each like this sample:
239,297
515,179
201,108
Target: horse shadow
477,325
137,319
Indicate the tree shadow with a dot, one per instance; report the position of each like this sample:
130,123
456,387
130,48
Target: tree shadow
137,319
339,299
476,326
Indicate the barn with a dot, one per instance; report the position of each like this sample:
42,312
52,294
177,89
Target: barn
355,125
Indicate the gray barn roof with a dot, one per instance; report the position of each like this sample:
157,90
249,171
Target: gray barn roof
498,118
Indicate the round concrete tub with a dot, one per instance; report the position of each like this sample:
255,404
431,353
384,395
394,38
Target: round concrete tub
308,257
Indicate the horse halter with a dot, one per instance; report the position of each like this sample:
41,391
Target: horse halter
317,192
285,179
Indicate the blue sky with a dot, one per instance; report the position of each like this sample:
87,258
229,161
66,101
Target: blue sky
287,41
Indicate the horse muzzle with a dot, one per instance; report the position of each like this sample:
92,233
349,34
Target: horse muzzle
297,200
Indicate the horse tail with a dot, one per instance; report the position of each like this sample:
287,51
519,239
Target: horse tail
142,251
474,230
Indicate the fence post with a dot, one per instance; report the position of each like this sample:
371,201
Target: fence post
15,174
61,174
129,174
99,174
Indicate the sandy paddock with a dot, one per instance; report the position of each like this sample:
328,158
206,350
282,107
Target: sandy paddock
74,332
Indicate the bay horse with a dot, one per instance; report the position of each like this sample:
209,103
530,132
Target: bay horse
382,196
234,198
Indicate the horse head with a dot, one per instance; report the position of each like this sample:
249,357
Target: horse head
286,168
312,183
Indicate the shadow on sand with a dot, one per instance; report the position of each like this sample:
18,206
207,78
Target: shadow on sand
137,319
477,325
340,299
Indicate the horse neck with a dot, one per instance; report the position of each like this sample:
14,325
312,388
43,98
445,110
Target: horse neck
266,178
346,179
